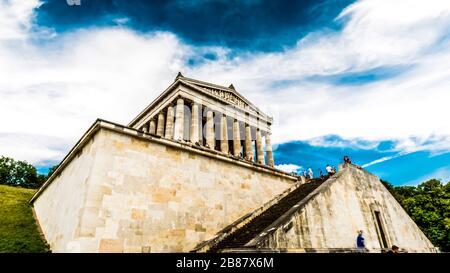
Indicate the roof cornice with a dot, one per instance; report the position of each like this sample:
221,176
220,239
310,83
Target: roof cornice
192,83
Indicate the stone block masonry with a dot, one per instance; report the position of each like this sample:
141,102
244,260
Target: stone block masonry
329,219
120,191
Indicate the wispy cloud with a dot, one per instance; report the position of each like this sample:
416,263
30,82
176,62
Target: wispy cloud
411,168
16,18
36,149
383,159
57,85
442,174
374,36
289,167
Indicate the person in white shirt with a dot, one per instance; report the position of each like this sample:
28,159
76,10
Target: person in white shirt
310,172
329,169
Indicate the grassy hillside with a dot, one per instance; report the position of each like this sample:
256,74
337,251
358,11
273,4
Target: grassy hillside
18,229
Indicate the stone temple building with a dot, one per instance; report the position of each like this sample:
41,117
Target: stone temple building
194,172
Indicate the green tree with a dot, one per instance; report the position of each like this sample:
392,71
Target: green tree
19,173
51,170
428,204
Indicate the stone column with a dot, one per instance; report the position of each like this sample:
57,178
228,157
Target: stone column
210,141
160,128
194,124
200,125
169,122
152,127
248,143
236,138
224,135
145,128
259,147
269,153
179,120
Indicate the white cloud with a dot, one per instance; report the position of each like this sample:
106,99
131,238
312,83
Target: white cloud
40,149
377,34
15,18
60,90
57,89
383,159
289,167
343,143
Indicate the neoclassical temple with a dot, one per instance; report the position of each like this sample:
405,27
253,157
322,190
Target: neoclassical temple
211,116
194,172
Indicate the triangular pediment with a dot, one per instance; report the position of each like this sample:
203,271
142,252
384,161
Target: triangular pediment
223,95
228,94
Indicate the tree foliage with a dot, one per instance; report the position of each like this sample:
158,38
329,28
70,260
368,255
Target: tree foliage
428,204
19,174
51,170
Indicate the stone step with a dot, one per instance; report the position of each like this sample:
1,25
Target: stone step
246,233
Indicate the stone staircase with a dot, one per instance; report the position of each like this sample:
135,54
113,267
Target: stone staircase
244,234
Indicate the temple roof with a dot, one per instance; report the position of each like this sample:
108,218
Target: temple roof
207,86
227,95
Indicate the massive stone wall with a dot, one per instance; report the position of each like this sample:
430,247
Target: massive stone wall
339,208
128,194
62,206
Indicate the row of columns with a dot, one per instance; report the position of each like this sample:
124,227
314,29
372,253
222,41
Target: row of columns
170,124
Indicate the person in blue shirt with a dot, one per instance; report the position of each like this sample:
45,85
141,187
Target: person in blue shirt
360,241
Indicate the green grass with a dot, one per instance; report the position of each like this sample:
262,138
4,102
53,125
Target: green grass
18,229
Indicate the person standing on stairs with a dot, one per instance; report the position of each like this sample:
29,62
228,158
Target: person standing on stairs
347,160
310,173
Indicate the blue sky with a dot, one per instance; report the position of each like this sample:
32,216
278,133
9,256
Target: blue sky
367,78
395,166
245,25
